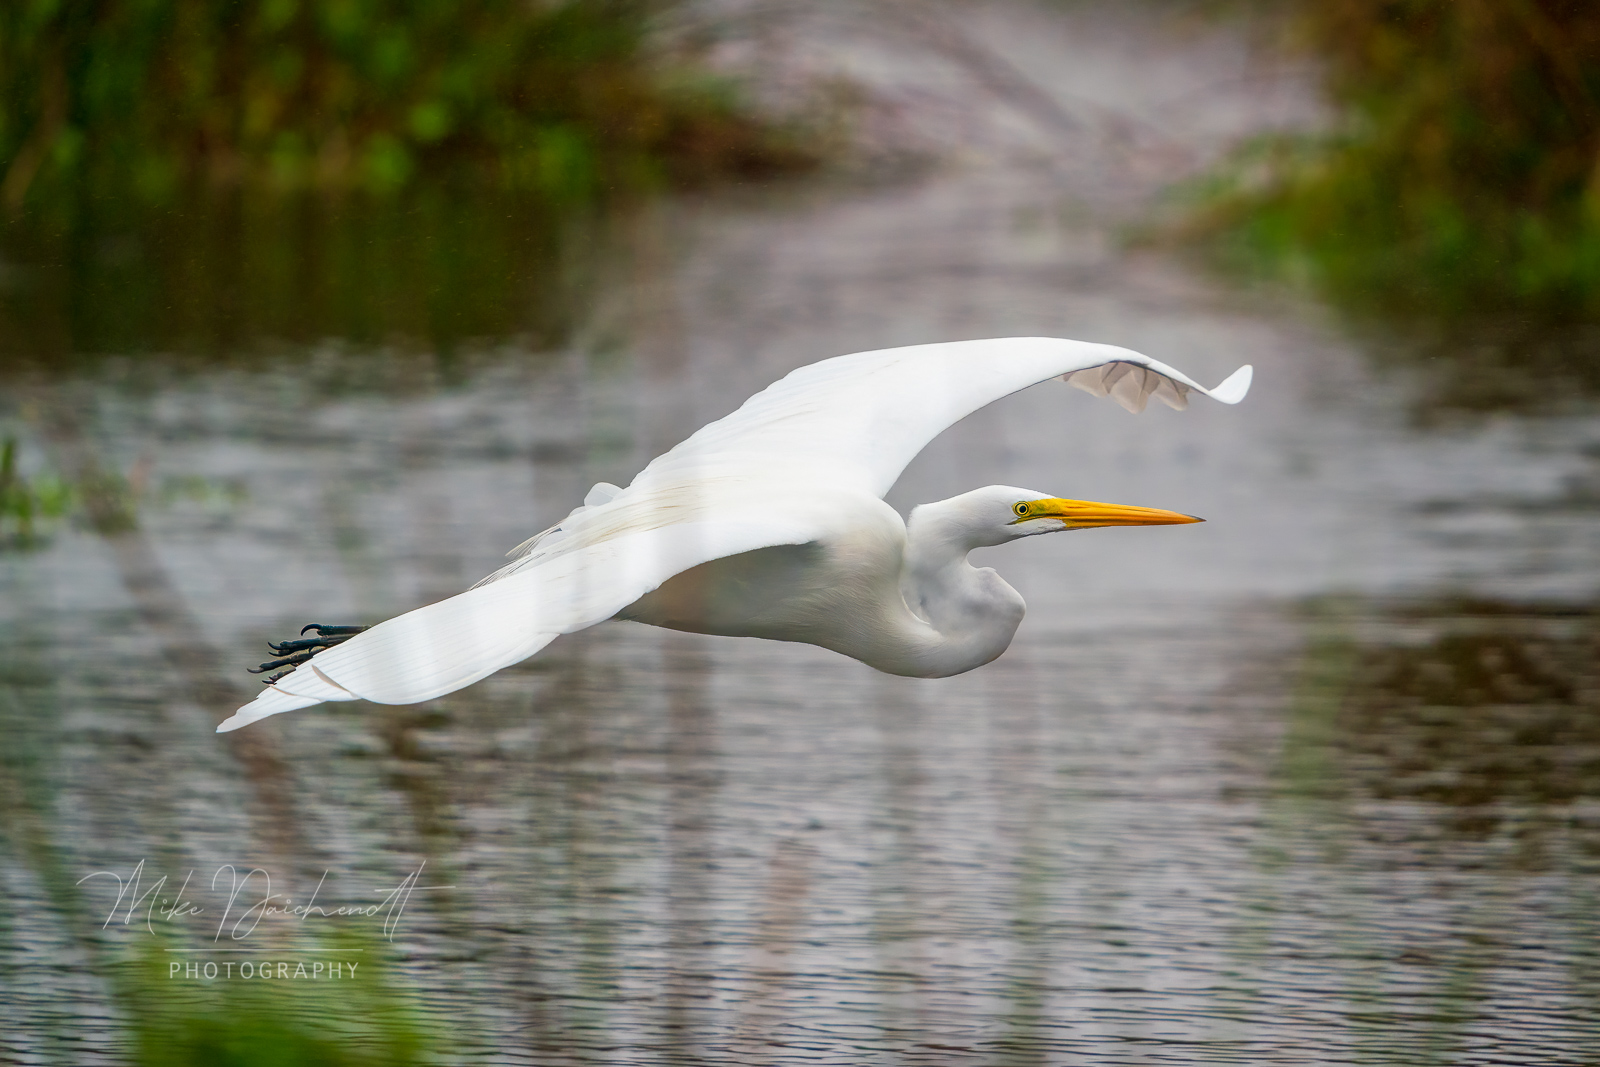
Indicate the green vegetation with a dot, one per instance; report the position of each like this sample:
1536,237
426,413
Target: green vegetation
26,504
1463,176
103,500
152,98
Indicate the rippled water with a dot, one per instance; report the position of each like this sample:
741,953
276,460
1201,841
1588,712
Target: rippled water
1316,782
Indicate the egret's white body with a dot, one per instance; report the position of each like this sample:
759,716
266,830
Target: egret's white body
771,523
903,602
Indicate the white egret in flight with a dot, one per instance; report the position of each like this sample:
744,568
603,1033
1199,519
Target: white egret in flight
768,523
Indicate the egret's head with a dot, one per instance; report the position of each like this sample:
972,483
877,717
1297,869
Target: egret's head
1000,513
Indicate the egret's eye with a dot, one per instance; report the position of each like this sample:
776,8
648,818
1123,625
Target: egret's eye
1020,509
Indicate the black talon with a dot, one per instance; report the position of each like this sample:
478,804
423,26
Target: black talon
286,661
287,648
326,637
293,653
325,630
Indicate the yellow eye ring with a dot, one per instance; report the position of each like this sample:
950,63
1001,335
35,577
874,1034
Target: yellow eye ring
1020,509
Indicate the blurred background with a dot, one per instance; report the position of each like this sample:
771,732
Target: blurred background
311,311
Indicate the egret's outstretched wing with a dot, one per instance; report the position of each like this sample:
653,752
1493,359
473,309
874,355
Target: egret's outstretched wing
862,418
442,647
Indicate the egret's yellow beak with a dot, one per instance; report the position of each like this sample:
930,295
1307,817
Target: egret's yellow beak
1084,514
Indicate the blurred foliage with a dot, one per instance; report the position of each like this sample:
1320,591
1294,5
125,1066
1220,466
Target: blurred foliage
27,505
108,98
102,500
1463,173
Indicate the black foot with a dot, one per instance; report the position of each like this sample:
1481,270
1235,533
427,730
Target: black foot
293,653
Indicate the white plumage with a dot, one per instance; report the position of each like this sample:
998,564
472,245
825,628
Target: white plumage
770,523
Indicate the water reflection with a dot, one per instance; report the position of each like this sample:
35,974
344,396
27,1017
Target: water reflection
1483,366
900,876
1437,766
1480,706
253,280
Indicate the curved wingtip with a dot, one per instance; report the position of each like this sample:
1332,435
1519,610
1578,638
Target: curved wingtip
1234,386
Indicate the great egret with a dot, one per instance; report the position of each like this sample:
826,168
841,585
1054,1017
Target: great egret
769,523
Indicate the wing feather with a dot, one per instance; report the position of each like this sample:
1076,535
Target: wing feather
864,417
443,647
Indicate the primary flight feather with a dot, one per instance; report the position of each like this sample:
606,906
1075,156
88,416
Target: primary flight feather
771,523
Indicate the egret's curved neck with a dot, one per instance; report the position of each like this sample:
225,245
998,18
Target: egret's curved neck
972,610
